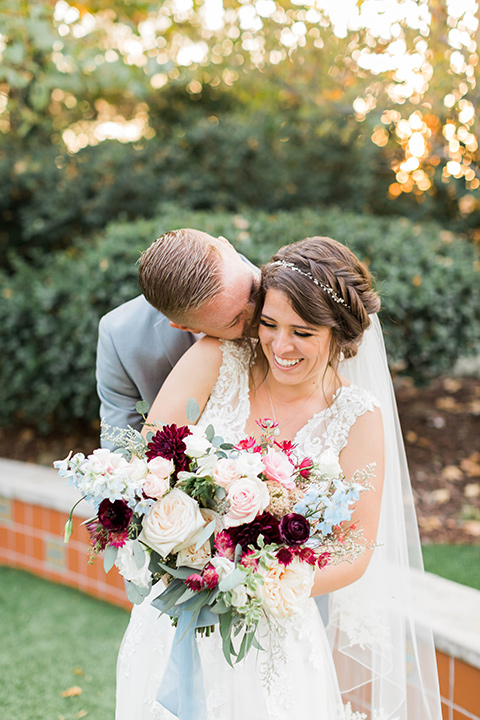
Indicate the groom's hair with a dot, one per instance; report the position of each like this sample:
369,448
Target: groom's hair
180,272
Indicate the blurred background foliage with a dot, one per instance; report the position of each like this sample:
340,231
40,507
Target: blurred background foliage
355,119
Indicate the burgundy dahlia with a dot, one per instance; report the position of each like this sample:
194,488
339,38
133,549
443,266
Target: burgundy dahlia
114,516
294,529
168,443
265,524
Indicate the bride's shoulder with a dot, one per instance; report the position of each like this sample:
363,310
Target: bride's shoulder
353,395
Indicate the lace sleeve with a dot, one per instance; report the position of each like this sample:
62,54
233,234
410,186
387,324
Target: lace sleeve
330,428
228,406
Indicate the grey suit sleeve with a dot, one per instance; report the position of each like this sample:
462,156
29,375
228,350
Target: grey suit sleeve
117,392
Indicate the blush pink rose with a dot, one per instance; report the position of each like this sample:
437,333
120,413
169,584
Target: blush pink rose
279,468
161,467
155,487
226,472
248,497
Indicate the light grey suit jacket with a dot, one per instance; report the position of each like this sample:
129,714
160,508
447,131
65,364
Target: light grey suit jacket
137,348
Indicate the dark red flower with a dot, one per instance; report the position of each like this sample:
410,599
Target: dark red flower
224,544
323,559
305,467
114,516
210,577
194,582
285,556
168,443
98,536
294,529
306,555
265,524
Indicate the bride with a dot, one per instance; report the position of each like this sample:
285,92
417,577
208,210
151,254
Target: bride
313,311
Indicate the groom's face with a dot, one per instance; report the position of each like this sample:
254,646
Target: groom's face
229,313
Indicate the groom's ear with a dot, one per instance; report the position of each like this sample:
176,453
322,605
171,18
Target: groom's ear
183,327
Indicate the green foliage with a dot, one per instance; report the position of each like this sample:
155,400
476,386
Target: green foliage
428,280
54,638
460,563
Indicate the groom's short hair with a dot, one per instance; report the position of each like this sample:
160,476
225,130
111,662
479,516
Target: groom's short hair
180,272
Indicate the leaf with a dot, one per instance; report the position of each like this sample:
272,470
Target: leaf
136,594
220,607
206,533
238,553
138,553
142,407
72,692
193,410
109,557
209,433
231,581
226,446
182,572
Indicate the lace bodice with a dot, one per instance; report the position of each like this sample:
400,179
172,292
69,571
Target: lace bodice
228,406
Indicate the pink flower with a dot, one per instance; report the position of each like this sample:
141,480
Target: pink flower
278,467
248,444
306,555
224,545
305,467
194,582
286,446
210,577
323,560
154,486
248,561
161,467
248,497
226,472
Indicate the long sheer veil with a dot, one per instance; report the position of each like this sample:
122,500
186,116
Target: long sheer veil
385,659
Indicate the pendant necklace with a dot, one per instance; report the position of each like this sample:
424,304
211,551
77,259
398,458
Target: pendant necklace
276,431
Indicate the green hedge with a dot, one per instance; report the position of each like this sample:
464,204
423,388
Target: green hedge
428,280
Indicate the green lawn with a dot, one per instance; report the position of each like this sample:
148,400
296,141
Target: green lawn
460,563
55,638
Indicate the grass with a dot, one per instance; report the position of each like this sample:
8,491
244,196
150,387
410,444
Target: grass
460,563
55,638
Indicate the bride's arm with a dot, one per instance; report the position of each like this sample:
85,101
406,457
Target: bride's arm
365,445
193,376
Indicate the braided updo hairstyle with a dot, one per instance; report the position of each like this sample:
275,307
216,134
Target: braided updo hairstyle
334,265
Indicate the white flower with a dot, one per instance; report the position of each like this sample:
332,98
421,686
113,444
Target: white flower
238,596
155,486
285,589
128,567
161,467
173,523
223,566
250,464
189,557
328,464
196,444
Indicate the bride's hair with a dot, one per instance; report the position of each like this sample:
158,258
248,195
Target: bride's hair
327,286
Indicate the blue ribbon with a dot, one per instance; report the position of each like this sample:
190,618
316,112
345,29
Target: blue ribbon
182,691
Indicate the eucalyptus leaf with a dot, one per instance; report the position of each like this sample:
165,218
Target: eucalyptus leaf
232,580
192,410
109,557
136,594
205,534
138,553
238,553
210,433
142,407
182,572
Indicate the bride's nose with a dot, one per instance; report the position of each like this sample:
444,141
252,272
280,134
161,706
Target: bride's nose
282,343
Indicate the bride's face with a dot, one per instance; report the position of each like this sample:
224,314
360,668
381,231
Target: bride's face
296,351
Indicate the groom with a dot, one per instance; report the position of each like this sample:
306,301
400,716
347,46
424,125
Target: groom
193,283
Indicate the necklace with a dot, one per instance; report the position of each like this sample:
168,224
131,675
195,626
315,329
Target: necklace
276,431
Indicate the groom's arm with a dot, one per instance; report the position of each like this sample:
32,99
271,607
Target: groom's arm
117,391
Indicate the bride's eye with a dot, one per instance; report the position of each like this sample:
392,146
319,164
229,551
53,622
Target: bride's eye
302,335
266,324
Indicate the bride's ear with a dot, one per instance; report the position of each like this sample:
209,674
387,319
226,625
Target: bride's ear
183,327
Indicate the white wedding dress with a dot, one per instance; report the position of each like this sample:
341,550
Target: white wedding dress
295,676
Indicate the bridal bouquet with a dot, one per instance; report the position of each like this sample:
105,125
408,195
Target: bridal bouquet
234,532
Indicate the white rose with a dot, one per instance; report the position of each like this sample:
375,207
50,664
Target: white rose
196,443
328,464
250,464
136,469
226,472
247,497
238,596
155,487
223,566
173,523
189,557
128,568
161,467
285,589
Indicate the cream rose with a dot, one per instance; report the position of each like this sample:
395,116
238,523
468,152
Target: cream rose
328,464
285,589
173,523
161,467
279,468
226,472
155,487
190,557
247,497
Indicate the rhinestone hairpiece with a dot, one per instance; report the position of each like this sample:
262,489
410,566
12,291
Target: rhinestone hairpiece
329,290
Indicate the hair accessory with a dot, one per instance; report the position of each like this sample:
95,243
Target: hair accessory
329,290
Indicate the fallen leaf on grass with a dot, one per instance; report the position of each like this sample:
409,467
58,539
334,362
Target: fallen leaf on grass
452,473
78,671
72,692
81,714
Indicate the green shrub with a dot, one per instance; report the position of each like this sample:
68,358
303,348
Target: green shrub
428,280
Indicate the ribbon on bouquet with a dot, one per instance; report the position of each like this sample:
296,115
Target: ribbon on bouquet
182,691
